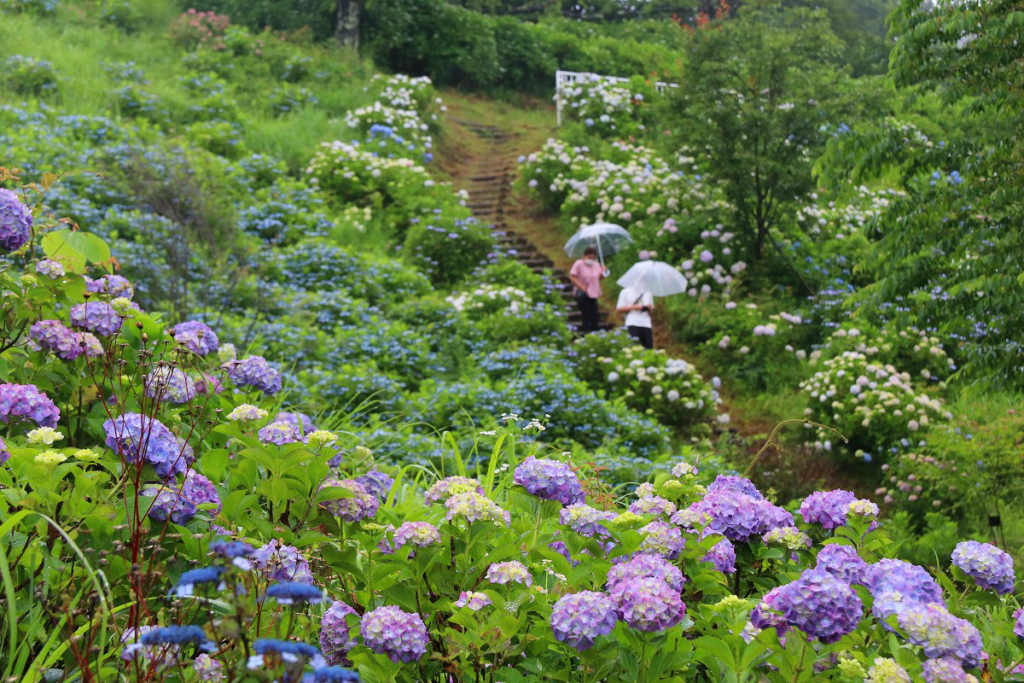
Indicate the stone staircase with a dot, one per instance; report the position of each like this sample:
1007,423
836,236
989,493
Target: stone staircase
490,188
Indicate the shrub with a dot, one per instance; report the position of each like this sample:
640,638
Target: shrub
193,30
289,100
30,76
222,138
448,248
123,15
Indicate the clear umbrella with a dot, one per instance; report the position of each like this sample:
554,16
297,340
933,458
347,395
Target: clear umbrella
607,237
656,277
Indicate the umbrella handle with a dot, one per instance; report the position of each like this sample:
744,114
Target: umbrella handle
600,255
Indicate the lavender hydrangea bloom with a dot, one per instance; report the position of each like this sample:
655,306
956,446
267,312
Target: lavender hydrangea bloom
199,490
645,566
737,516
115,286
551,480
842,562
989,566
355,508
207,668
279,562
827,508
649,604
140,438
97,317
399,635
298,419
5,454
377,483
473,506
280,433
451,486
170,384
652,505
420,534
509,572
15,221
1018,616
578,619
51,336
255,372
941,634
944,670
475,601
789,536
336,636
49,268
168,503
663,539
26,402
819,605
89,344
585,520
723,556
894,583
196,336
768,613
726,482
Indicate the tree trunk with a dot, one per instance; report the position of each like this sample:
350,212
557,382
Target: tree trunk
346,27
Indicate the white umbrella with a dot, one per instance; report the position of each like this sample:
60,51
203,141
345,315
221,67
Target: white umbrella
607,237
656,277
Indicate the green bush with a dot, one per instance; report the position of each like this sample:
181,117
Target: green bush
448,248
29,76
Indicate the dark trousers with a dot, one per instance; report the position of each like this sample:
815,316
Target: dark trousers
588,307
644,335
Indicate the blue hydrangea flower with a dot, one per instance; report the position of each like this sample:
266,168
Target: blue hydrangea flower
842,562
578,619
509,572
290,653
941,634
644,566
377,483
279,562
827,508
336,637
140,438
291,592
97,317
305,422
169,503
355,508
895,583
280,433
51,336
170,384
726,482
15,221
115,286
663,539
723,556
255,372
550,480
332,674
178,635
238,552
737,516
196,336
199,490
399,635
49,268
187,582
989,566
585,520
649,604
944,670
818,604
26,402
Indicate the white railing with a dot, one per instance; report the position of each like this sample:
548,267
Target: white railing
567,78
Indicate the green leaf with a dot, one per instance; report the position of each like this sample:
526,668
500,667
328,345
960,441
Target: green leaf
75,248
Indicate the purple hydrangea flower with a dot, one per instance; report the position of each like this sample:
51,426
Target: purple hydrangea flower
360,505
88,343
818,604
578,619
768,614
199,490
207,668
255,372
509,572
169,503
649,604
5,454
159,656
737,516
662,538
941,634
474,506
97,317
51,336
49,268
280,433
723,556
551,480
115,286
827,508
170,384
989,566
196,336
207,384
944,670
645,566
585,520
728,482
15,221
1018,616
420,534
298,419
842,562
26,402
142,439
475,601
336,636
450,486
894,583
279,562
399,635
652,505
377,483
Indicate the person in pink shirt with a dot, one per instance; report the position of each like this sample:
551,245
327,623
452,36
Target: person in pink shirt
586,276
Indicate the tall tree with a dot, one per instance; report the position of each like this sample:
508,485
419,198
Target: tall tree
346,25
754,98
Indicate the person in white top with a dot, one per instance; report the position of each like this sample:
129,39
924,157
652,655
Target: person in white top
637,304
